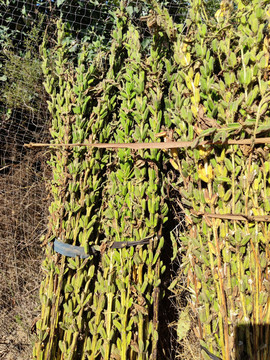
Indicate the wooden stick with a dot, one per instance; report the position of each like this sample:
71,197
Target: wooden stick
155,145
237,217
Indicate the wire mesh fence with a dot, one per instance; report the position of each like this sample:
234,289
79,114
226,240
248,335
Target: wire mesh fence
24,202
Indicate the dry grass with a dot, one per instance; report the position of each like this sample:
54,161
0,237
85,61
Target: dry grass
184,341
23,214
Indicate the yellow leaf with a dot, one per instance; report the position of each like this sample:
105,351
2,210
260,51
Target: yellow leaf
228,96
194,110
256,184
187,58
212,248
218,15
221,170
257,211
202,174
204,152
184,47
190,73
210,172
174,153
221,157
197,80
174,164
222,230
197,95
188,83
206,173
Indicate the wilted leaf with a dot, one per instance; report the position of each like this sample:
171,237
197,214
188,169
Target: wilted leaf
183,325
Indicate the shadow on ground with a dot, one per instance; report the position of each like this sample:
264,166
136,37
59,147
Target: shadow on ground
252,342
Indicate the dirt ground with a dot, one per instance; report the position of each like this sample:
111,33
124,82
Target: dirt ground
23,220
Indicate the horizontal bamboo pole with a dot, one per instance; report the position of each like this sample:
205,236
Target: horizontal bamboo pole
156,145
237,217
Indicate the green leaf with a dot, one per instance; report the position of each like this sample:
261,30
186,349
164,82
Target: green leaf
254,24
248,76
215,45
224,136
263,128
69,288
60,2
208,132
228,164
263,62
172,285
203,29
232,59
252,95
62,346
245,240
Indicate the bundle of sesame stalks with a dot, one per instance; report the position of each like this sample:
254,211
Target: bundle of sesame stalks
104,306
220,91
135,210
82,104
